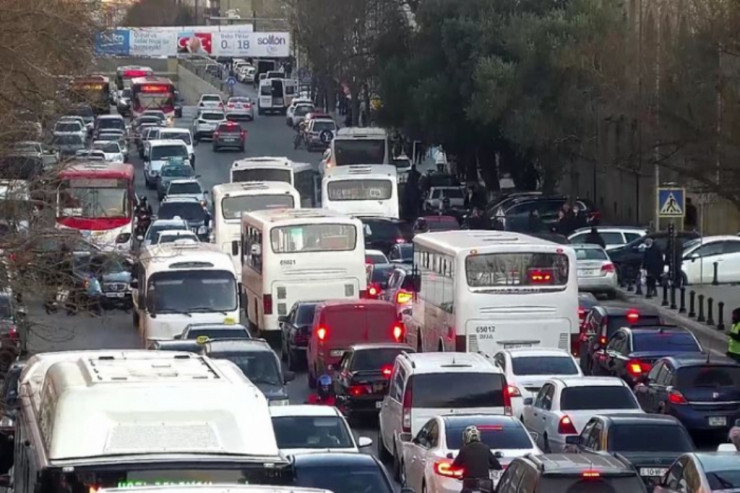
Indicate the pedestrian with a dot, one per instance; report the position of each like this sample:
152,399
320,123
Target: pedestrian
733,348
653,263
690,216
561,224
579,218
594,238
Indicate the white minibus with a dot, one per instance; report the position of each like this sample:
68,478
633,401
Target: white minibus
492,290
294,255
230,200
265,168
363,191
353,145
275,95
177,284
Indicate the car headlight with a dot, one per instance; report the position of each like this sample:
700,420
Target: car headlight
123,238
280,402
202,230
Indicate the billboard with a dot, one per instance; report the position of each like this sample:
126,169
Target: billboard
112,42
246,45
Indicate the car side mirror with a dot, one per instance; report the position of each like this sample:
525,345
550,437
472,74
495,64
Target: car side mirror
364,442
573,440
528,401
234,248
694,257
405,437
140,238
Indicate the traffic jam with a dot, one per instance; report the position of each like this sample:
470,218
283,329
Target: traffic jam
483,359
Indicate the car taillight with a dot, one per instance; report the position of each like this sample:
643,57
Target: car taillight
12,332
443,467
398,332
386,370
582,314
635,367
676,397
400,240
513,391
321,333
403,297
267,304
602,341
565,426
406,409
507,401
247,106
633,316
540,277
373,291
356,390
607,268
231,105
590,474
220,105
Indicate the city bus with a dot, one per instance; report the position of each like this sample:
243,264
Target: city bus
492,290
124,75
359,190
94,90
97,199
265,168
291,255
230,200
354,145
93,420
153,93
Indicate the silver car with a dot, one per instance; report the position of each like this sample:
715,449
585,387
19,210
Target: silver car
239,107
596,272
188,187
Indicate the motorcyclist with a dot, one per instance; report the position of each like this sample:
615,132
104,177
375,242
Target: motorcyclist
324,392
143,214
143,206
476,460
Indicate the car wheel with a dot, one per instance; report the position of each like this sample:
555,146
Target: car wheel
135,319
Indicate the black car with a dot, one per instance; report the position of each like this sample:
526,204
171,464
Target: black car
361,376
259,363
296,329
124,103
383,233
229,135
190,210
513,214
378,277
341,472
576,473
650,442
627,259
602,322
631,351
402,253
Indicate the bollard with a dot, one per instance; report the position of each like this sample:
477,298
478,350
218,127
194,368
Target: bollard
700,317
714,280
721,315
665,296
710,311
682,306
692,312
673,297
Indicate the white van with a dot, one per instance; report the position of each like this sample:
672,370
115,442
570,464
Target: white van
275,95
176,284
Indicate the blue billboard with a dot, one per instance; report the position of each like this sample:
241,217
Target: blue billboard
113,42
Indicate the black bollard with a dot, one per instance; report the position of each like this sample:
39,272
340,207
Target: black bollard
700,317
673,297
682,305
721,315
710,311
665,296
692,297
714,280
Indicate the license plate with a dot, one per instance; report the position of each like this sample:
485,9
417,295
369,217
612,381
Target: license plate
378,387
514,346
378,404
336,353
717,421
653,472
114,295
587,273
229,140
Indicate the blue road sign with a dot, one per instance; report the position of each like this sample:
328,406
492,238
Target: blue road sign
231,81
671,202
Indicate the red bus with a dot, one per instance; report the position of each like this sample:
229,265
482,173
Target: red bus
124,75
97,199
153,93
94,90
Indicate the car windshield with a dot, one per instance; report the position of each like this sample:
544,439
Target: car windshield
107,147
635,437
594,397
321,125
576,484
359,151
406,252
212,334
230,127
457,390
187,188
154,230
165,151
668,341
261,367
232,207
452,193
708,376
148,120
616,322
240,100
192,291
112,123
210,98
305,314
521,269
27,147
189,211
447,225
177,171
375,359
361,479
183,136
381,274
590,254
543,365
68,127
361,189
313,238
496,436
171,238
303,110
723,480
216,117
315,432
77,199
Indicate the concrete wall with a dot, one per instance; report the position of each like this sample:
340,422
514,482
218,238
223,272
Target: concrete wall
192,86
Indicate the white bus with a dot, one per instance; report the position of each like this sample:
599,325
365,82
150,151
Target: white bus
298,255
177,284
359,190
353,145
265,168
492,290
230,200
106,420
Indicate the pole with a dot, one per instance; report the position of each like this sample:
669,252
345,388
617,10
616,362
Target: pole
656,150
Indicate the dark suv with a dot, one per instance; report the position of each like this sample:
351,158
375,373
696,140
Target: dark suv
513,214
229,135
570,473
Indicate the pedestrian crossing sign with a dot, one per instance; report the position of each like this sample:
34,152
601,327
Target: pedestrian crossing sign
671,202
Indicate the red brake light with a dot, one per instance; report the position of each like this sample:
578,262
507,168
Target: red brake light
633,316
267,304
581,314
231,105
387,370
356,390
602,341
490,428
12,333
406,408
636,367
443,467
591,474
565,426
607,268
321,333
373,290
507,400
676,397
398,332
513,391
540,277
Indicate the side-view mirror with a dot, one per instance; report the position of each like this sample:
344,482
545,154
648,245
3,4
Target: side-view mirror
405,437
528,401
727,447
177,337
573,440
234,248
364,442
288,376
134,284
694,257
140,238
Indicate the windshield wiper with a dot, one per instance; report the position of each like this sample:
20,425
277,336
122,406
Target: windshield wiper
178,312
201,309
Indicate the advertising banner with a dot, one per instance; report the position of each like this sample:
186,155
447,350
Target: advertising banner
153,42
252,45
112,42
198,42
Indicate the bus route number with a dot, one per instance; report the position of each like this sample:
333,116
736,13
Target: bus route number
485,331
287,263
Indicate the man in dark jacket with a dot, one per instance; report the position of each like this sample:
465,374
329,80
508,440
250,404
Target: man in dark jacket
653,263
478,220
594,238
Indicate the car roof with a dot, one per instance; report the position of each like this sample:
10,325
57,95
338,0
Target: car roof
649,329
237,346
303,410
375,219
176,232
652,419
623,309
179,199
717,461
449,363
366,346
212,325
336,460
698,359
164,142
374,252
535,351
587,246
610,229
578,381
185,180
179,345
173,220
576,463
111,117
463,419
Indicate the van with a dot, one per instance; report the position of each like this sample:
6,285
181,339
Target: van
275,95
338,324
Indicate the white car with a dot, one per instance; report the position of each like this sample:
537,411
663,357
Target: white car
70,126
206,123
427,458
527,369
306,428
246,74
375,257
436,197
614,237
239,107
188,187
111,149
595,270
211,101
160,152
177,236
700,255
298,113
157,227
563,406
176,133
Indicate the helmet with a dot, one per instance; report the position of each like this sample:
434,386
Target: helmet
471,434
142,199
324,385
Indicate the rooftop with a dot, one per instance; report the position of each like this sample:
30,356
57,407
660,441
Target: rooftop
450,363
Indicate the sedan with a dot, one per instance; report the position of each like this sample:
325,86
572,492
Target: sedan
239,107
111,149
596,273
296,328
704,472
306,428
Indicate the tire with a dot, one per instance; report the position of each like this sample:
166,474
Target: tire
290,359
546,445
396,465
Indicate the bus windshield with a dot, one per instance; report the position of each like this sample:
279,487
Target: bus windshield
261,174
313,238
360,190
232,207
358,151
193,291
93,201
